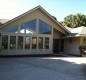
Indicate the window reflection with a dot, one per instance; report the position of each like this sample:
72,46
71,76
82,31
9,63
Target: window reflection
34,42
29,27
20,42
44,28
12,42
27,42
46,43
13,29
4,42
40,42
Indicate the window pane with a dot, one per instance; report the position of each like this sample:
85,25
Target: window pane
29,27
23,26
46,43
4,42
12,42
27,42
13,29
40,43
34,42
20,42
44,28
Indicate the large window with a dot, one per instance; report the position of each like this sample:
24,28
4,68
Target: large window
13,29
12,42
34,42
46,43
40,42
27,42
44,28
20,42
29,27
4,42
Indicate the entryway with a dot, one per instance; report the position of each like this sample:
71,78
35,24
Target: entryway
56,46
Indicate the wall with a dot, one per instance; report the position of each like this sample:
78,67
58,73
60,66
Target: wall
71,45
83,40
56,34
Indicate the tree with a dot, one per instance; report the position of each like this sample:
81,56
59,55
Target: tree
73,21
54,18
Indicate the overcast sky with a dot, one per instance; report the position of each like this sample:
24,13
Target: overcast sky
59,8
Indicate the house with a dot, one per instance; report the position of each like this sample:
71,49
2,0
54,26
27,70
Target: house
34,32
37,32
74,40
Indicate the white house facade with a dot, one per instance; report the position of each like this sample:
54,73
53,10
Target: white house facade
34,32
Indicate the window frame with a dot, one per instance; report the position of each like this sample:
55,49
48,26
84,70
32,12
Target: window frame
12,41
35,44
47,25
46,44
4,41
29,42
6,30
28,26
19,42
39,43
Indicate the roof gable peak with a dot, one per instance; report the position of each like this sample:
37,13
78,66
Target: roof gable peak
38,7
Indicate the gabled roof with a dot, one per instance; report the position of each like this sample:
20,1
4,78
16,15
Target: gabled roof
79,30
68,28
38,7
76,32
3,20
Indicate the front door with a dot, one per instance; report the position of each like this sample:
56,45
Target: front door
56,46
62,45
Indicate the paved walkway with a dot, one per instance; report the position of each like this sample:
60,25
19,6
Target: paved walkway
42,68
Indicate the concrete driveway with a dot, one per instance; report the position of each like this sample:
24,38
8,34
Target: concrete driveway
40,68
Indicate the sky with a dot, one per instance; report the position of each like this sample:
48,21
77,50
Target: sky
59,8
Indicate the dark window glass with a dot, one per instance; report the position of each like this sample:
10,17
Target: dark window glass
27,42
46,43
12,42
34,42
40,43
44,28
13,29
29,27
4,42
20,42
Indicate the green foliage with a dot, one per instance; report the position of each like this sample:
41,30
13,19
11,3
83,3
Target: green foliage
54,18
74,20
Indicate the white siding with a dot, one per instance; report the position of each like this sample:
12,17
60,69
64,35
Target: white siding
72,47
